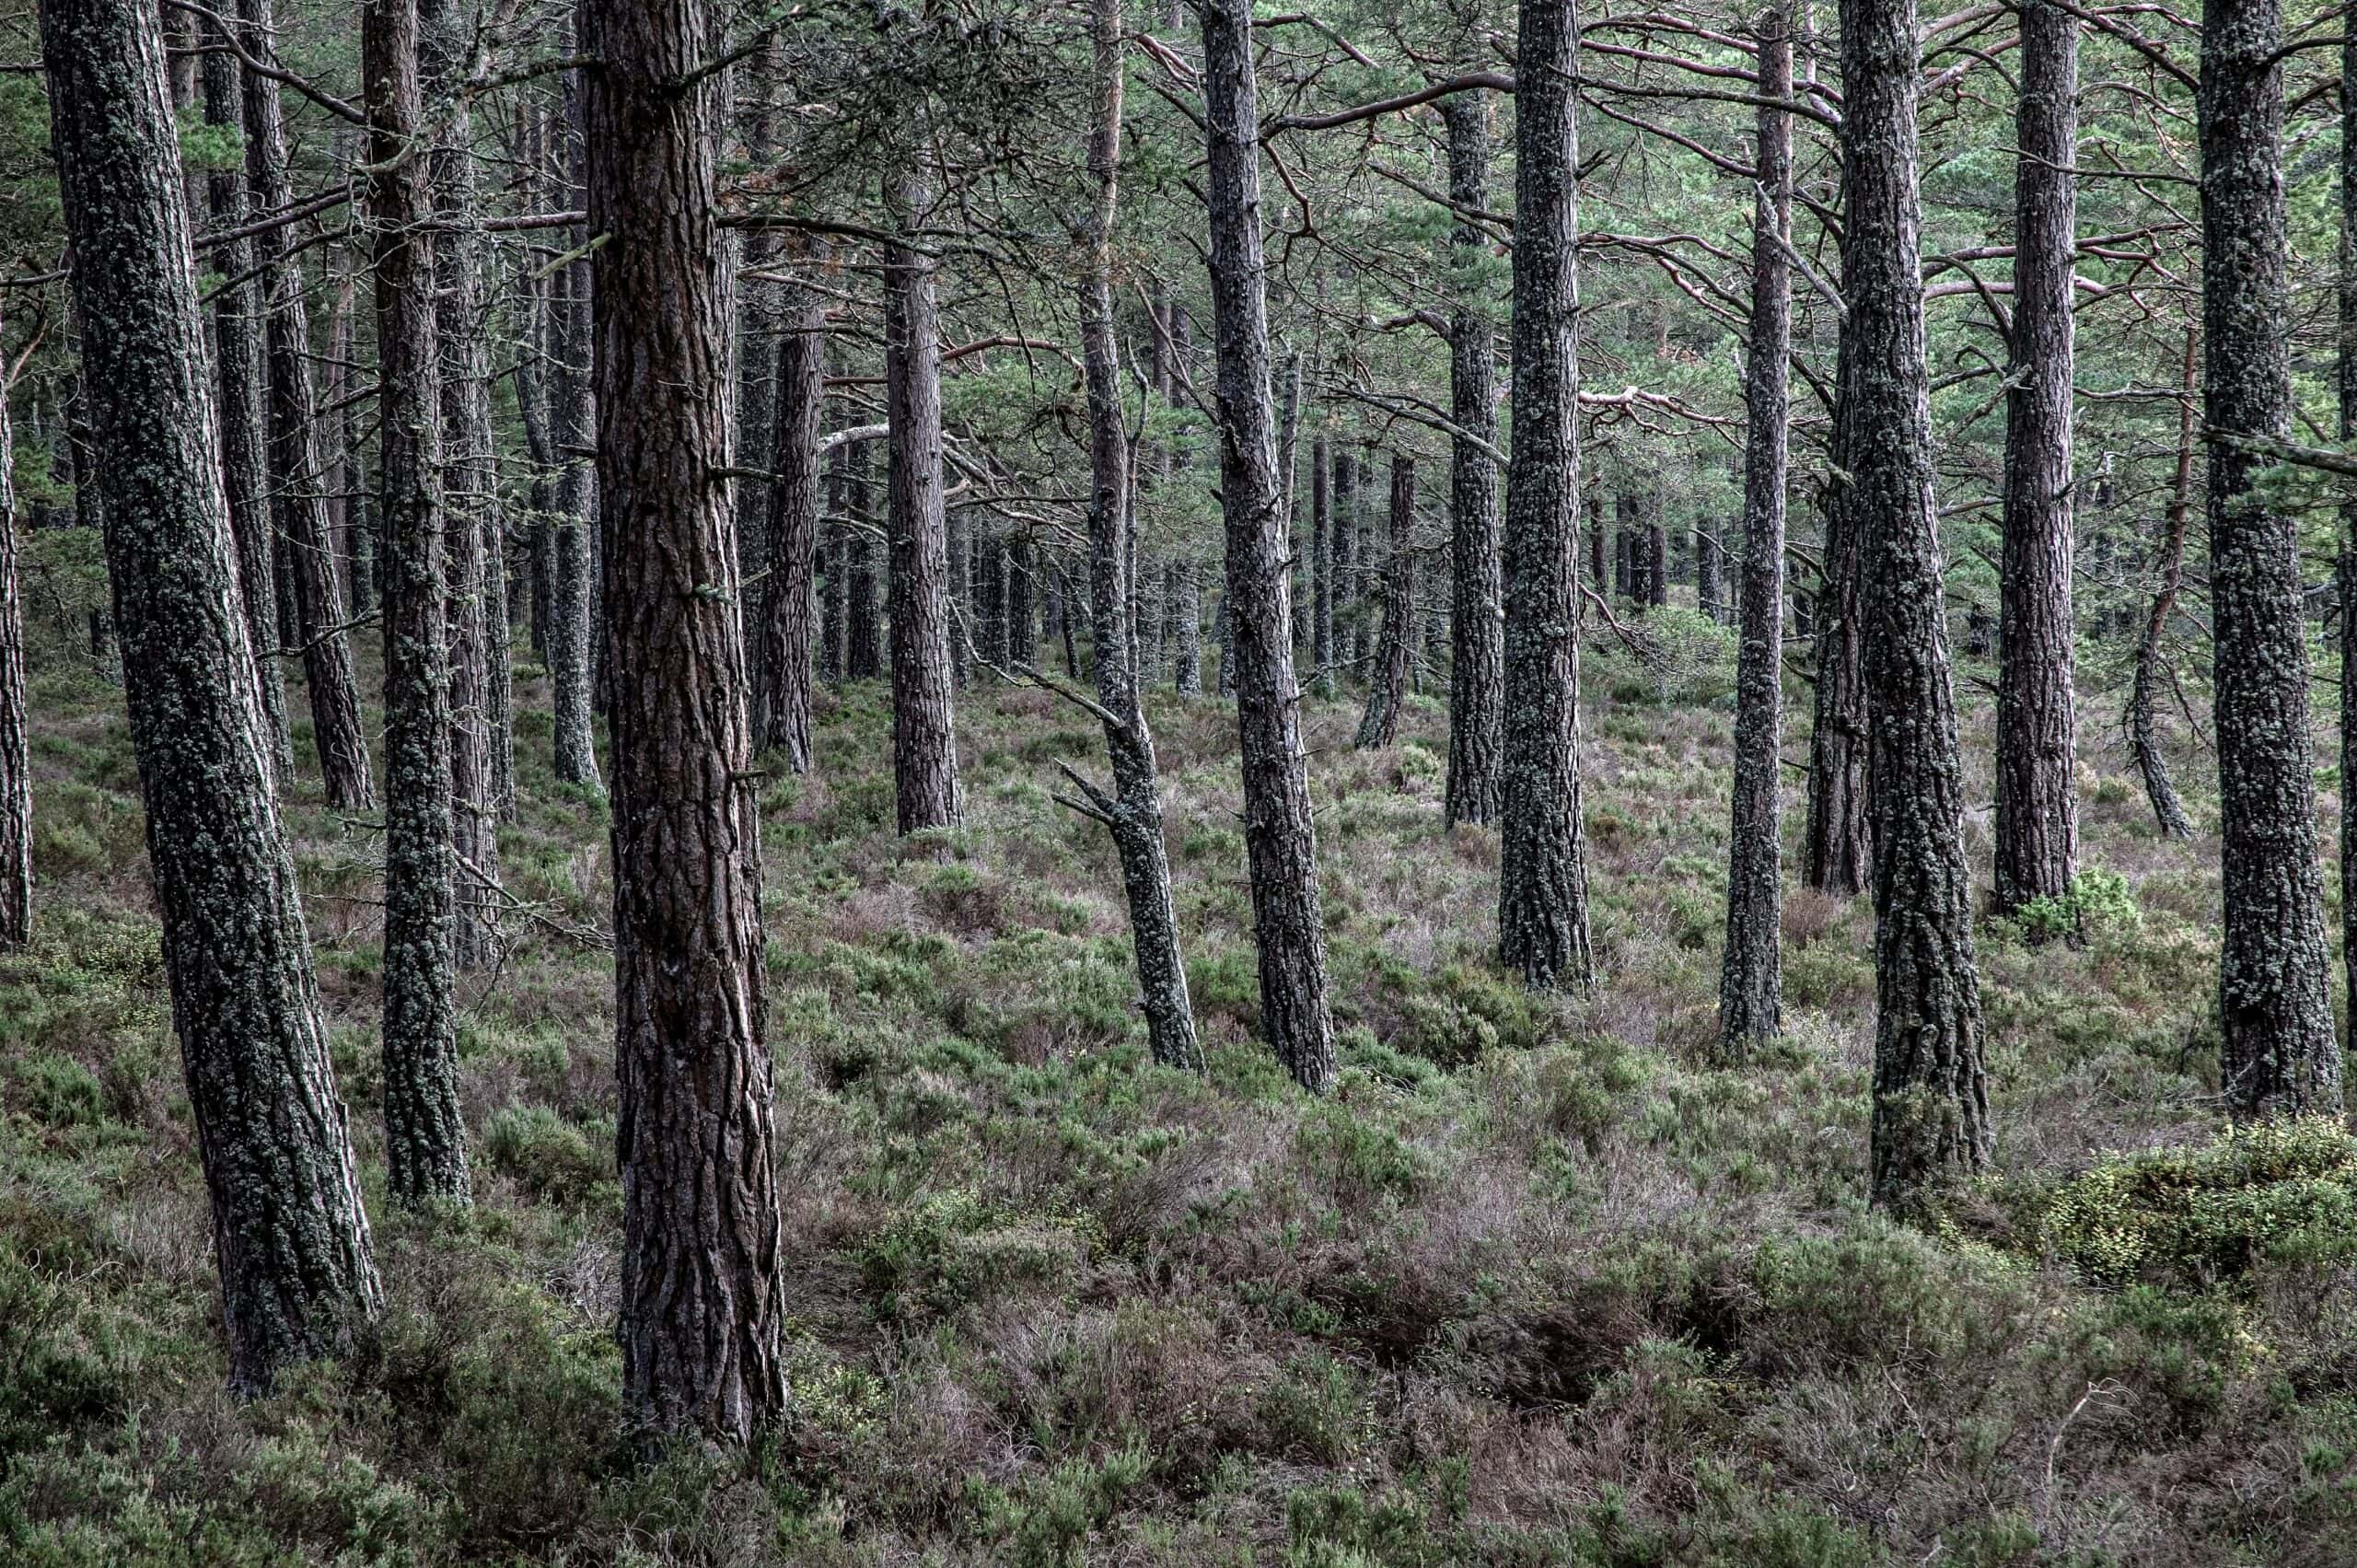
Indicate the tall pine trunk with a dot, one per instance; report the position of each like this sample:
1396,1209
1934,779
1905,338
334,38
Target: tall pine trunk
1931,1088
1542,875
16,747
1279,838
1386,691
297,1275
2037,816
573,418
702,1296
425,1139
1321,569
2144,701
862,629
924,740
2280,1055
1477,672
2345,564
786,602
1751,981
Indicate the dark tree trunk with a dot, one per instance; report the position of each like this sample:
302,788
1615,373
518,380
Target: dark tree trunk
471,563
1022,618
702,1298
1280,836
1182,620
1656,558
293,449
1132,810
1710,587
2144,701
1342,535
1288,489
1837,851
986,586
924,742
835,566
239,372
356,537
1321,566
425,1137
297,1276
863,634
1930,1090
2037,816
2279,1055
800,395
2345,565
573,594
1751,978
1542,874
1386,691
1598,571
16,748
1477,669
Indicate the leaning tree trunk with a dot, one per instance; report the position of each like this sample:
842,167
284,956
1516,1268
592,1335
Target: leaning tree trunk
299,1278
1931,1087
469,488
924,740
2144,701
244,415
295,466
1542,873
15,749
1386,691
1132,810
426,1135
1751,980
2278,1053
1477,671
786,600
2037,816
703,1298
1280,837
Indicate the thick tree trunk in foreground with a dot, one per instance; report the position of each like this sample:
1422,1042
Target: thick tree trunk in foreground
1477,671
1751,980
1386,689
2037,814
1279,838
2144,701
702,1296
293,451
786,598
297,1276
924,738
238,363
425,1137
16,748
2280,1055
1930,1091
1542,875
1131,811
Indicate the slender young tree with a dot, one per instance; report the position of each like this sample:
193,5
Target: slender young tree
2280,1055
1386,691
863,630
1542,873
573,418
426,1135
2038,815
787,604
15,747
702,1298
1751,972
1321,567
2345,565
1279,838
1931,1088
924,738
1476,670
299,1278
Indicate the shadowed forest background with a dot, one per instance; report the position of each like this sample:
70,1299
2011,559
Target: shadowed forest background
1513,785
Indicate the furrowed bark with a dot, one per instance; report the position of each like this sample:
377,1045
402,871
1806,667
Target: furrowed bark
1542,875
1477,671
702,1293
299,1278
1279,838
786,602
2144,701
574,414
1388,687
924,742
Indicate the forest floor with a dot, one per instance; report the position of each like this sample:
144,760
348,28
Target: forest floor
1539,1283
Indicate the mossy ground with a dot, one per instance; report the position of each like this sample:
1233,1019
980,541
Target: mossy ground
1538,1285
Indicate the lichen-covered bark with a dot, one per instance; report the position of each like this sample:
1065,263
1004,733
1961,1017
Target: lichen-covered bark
1476,670
1931,1087
1837,851
425,1138
238,368
703,1298
786,602
1542,873
1341,546
572,417
297,1275
16,748
2037,816
1279,838
1022,611
924,738
1387,689
2278,1053
1751,969
309,549
2345,565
